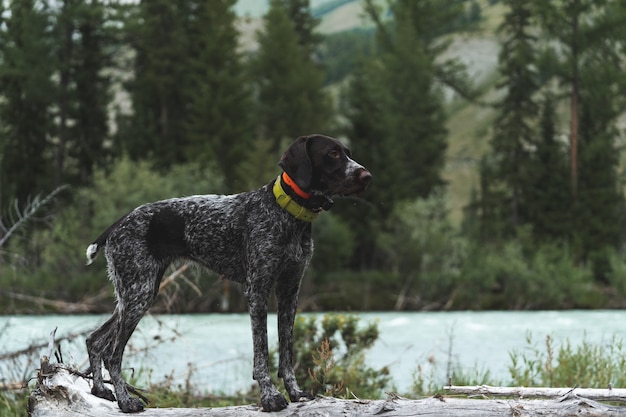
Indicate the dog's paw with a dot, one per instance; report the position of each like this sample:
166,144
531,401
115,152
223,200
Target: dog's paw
105,393
273,402
300,396
131,405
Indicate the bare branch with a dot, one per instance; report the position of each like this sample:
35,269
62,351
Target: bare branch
28,212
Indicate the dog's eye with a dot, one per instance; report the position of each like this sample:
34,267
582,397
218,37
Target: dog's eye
334,154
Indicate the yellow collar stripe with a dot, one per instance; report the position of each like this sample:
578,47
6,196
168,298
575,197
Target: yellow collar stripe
290,206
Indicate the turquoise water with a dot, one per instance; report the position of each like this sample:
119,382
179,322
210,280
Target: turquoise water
219,347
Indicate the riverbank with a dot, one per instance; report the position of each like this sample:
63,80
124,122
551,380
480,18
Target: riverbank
219,347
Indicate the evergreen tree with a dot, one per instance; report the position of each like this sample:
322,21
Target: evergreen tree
83,90
415,113
367,103
587,38
405,79
299,12
160,88
26,68
396,110
570,24
514,137
599,201
291,101
220,124
548,198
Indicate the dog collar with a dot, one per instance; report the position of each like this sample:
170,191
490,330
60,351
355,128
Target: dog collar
290,206
295,187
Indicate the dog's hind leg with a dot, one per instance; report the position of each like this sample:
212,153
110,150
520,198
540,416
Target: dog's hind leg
140,291
99,345
127,324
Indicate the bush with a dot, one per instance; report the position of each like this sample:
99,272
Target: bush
329,357
425,252
56,254
510,276
586,365
13,404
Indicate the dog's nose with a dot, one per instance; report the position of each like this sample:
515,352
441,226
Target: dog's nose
365,176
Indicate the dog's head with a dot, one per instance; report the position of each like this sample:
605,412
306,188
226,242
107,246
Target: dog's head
319,163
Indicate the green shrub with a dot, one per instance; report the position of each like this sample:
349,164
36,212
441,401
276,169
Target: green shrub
586,365
510,276
54,257
329,357
13,404
425,253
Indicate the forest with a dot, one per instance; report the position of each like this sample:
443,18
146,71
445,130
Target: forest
109,104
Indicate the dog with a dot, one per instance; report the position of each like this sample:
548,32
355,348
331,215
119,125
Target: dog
260,239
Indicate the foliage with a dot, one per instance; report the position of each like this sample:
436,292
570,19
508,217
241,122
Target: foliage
586,365
288,80
330,357
13,404
83,34
196,108
580,50
220,120
343,52
160,87
396,110
56,255
425,250
514,134
26,68
513,276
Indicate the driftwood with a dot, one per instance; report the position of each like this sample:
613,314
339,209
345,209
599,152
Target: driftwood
59,392
486,391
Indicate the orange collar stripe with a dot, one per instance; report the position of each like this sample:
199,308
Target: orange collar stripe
291,183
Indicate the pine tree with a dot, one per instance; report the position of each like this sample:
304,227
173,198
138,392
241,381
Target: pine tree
548,198
83,89
219,124
415,116
26,68
160,88
587,58
299,12
291,101
395,107
367,103
514,138
571,25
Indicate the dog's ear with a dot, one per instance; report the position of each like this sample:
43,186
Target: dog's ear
297,164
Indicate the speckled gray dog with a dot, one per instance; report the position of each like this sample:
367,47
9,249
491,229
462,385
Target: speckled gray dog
261,239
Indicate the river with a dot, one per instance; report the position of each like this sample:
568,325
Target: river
220,346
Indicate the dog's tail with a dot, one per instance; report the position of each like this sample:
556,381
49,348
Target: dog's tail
92,250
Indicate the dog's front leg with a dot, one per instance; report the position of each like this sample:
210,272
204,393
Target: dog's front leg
271,399
287,290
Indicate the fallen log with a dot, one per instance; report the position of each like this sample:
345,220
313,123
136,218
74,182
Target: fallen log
60,392
605,394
